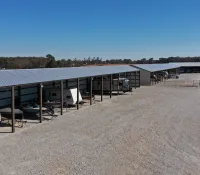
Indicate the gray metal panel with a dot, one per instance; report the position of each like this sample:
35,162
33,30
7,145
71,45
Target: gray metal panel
145,78
156,67
29,76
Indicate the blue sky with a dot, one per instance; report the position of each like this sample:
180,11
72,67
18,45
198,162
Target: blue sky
106,28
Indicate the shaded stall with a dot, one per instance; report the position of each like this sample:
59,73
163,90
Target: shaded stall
154,73
18,82
188,67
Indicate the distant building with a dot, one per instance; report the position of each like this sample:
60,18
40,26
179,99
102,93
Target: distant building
188,67
147,71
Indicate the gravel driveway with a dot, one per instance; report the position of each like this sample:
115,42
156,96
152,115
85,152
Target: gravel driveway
154,131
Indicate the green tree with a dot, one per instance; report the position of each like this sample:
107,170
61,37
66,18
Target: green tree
150,60
52,62
49,56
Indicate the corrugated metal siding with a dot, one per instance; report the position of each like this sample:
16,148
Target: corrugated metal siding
5,96
134,78
29,92
145,78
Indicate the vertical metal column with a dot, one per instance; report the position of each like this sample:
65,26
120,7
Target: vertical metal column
41,117
101,88
91,90
118,85
77,93
110,85
13,108
61,97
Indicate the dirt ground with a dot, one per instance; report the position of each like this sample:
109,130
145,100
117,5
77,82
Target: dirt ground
154,131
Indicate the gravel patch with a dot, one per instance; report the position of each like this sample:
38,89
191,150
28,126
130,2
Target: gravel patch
153,131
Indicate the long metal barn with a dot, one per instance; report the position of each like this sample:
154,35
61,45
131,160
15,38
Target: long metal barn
188,67
20,86
148,70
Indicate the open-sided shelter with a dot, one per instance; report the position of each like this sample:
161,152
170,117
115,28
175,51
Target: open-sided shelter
21,85
147,70
188,67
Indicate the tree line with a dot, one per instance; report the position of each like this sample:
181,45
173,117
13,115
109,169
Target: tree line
50,62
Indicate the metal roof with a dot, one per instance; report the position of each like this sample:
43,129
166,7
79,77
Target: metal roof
187,64
30,76
156,67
